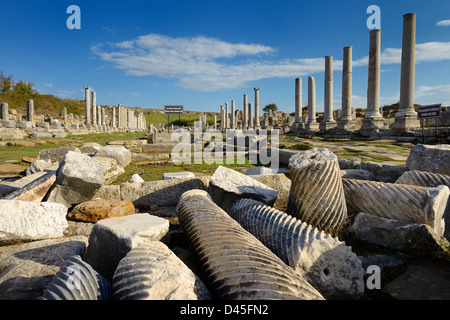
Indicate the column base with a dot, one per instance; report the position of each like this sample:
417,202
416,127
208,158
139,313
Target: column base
314,126
404,123
371,125
296,126
348,125
327,125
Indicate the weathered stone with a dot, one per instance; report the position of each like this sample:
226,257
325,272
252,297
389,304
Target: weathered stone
98,209
317,196
430,158
119,153
227,186
111,170
27,220
236,264
360,174
325,262
160,192
152,271
280,183
90,147
55,154
77,280
38,166
78,177
26,269
35,190
41,135
400,235
136,178
11,134
398,201
258,171
177,175
429,179
111,239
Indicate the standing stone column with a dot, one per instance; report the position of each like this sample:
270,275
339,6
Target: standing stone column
4,112
222,118
227,121
87,105
113,123
298,101
94,108
373,119
346,117
233,115
250,116
257,125
328,121
312,124
245,120
215,121
30,110
406,117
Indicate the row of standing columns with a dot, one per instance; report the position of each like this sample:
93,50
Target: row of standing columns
96,115
405,118
249,120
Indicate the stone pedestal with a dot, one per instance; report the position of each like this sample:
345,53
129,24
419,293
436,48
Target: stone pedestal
371,124
312,126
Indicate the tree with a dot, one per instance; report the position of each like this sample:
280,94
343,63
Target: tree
271,106
6,83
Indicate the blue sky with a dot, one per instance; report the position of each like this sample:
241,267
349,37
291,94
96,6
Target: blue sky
201,54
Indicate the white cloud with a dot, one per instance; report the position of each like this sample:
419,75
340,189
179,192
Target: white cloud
443,23
209,64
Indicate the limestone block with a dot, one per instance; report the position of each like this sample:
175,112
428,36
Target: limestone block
400,235
258,171
317,196
152,271
41,135
98,209
177,175
39,165
27,220
111,239
227,186
360,174
78,177
11,134
77,280
119,153
90,147
111,169
326,263
26,269
429,179
55,154
236,264
430,158
34,190
398,201
136,178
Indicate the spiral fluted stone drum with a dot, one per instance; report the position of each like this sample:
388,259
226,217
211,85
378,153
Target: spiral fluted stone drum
316,195
324,261
237,265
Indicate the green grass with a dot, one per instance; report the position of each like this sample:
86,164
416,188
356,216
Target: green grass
154,171
349,153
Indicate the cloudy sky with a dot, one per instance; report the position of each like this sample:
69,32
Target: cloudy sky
201,54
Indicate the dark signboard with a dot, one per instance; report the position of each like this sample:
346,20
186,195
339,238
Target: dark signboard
430,111
173,110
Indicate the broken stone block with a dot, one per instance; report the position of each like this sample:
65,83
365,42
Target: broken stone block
55,154
27,220
90,147
227,186
258,171
78,178
119,153
26,269
136,178
77,280
98,209
430,158
400,235
34,190
111,170
157,274
111,239
38,166
177,175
